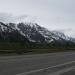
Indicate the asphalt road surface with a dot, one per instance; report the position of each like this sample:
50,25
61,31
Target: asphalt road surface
62,63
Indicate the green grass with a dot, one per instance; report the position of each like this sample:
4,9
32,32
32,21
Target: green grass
20,48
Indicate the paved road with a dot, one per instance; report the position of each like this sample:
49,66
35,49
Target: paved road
17,65
71,72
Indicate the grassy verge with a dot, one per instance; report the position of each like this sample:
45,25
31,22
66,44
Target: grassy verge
34,51
20,48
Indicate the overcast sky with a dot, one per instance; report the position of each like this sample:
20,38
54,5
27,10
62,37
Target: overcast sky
52,14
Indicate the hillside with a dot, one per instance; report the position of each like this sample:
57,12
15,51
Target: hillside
31,36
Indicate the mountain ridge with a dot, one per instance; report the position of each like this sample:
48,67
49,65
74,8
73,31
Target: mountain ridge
35,33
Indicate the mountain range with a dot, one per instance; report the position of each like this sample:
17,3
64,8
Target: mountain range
31,32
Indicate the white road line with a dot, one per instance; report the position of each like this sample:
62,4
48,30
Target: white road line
63,71
33,71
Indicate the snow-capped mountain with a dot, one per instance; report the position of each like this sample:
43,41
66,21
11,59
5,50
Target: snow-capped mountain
36,33
10,33
33,32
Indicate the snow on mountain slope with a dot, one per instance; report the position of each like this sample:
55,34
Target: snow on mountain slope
35,33
11,34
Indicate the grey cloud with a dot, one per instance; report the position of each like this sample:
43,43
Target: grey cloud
7,17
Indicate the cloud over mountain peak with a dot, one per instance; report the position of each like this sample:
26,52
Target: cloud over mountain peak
8,17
